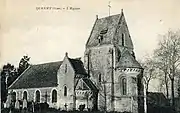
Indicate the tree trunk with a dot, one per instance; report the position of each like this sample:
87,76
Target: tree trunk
166,84
74,95
112,85
172,92
147,87
105,106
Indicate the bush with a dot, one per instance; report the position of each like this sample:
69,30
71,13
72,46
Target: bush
81,107
44,106
5,110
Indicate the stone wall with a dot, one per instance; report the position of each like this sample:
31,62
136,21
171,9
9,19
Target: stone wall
100,66
31,94
122,31
126,102
100,62
66,78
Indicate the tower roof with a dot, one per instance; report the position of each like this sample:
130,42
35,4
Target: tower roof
108,23
127,60
107,27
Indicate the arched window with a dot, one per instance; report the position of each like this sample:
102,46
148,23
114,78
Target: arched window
122,39
65,68
65,91
54,96
25,95
37,96
14,96
124,86
99,77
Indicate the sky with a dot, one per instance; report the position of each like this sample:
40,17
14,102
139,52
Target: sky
45,35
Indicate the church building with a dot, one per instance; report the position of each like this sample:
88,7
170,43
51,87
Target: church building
108,79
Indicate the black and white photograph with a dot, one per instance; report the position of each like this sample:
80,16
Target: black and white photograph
90,56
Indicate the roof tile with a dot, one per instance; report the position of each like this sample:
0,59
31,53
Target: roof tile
40,75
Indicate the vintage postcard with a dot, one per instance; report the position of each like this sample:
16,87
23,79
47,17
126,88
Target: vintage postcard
90,56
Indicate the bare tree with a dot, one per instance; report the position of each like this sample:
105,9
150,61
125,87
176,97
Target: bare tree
149,71
179,87
164,82
168,53
161,59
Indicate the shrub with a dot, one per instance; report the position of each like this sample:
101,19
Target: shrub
81,107
44,106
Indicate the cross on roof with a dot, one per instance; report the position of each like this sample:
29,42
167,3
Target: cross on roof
109,5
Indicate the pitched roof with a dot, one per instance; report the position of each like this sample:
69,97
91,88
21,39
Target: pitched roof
90,84
78,66
106,26
127,60
40,75
85,84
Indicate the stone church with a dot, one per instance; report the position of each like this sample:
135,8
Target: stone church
107,79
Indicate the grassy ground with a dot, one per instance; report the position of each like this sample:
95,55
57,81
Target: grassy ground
52,111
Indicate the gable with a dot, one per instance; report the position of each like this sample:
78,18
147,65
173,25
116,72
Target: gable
90,84
66,67
36,76
70,71
103,26
85,84
81,85
74,66
122,36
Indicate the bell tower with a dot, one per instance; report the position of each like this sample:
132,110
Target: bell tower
108,58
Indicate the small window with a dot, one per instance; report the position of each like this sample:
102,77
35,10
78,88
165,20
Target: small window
123,39
37,96
99,77
100,38
65,91
124,86
25,95
65,68
54,96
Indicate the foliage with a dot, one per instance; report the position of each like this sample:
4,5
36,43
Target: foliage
81,107
150,71
8,75
23,64
168,57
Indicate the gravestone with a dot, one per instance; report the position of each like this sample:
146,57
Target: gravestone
17,105
24,104
8,101
65,106
32,106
